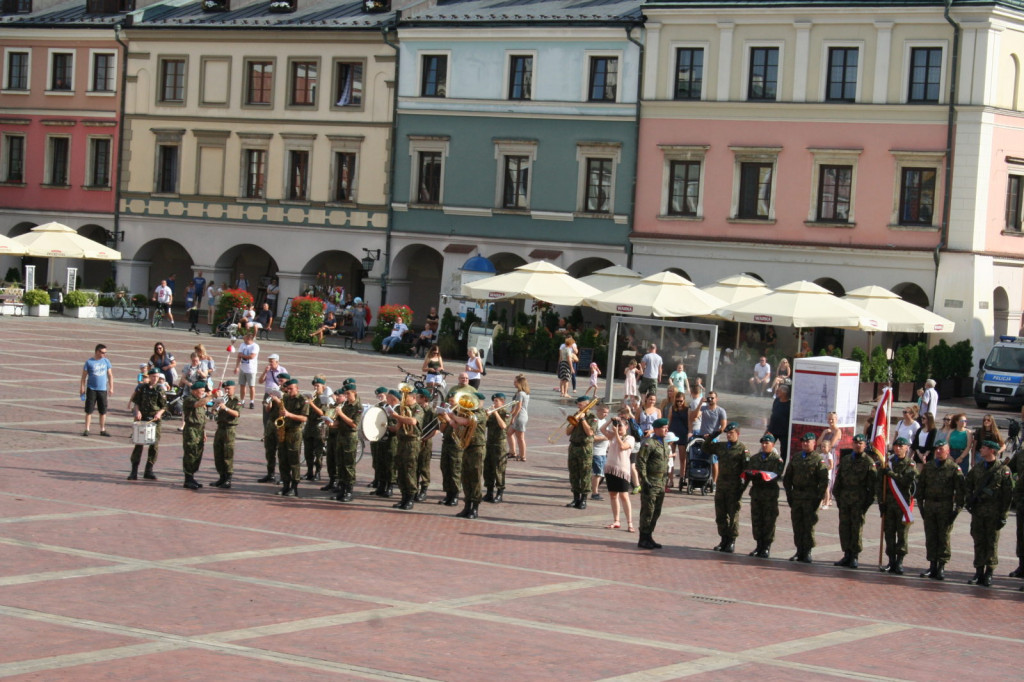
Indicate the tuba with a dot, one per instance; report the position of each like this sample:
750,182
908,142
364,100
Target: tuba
465,405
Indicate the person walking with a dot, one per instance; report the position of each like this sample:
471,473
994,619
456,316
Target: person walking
96,386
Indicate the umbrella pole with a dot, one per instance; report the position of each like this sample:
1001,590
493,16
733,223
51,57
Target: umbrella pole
738,325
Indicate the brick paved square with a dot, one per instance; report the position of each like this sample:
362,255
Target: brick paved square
26,639
22,561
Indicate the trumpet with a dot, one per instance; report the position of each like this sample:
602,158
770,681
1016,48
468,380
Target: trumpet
503,407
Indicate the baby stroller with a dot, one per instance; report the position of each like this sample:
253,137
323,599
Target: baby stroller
229,327
698,467
174,399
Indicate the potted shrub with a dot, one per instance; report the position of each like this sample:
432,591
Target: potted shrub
80,304
37,303
105,305
307,314
229,301
904,367
962,362
940,358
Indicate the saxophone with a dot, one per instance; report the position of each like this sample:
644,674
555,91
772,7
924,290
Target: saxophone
280,421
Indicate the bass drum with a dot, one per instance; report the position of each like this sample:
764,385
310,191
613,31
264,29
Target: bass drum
373,425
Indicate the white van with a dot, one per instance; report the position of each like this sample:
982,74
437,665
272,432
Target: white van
1001,374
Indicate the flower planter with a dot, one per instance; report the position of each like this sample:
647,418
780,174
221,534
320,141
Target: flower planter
867,391
85,311
37,310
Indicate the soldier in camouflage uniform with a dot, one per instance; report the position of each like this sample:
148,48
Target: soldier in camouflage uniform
271,412
732,461
1016,466
988,491
903,473
473,461
228,413
410,425
387,455
940,497
805,481
346,425
764,471
581,454
426,444
854,492
331,447
295,413
194,437
375,447
652,469
150,404
497,450
312,441
451,457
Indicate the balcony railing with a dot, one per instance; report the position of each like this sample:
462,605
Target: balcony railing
109,6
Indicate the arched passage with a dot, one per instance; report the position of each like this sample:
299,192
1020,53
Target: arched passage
588,266
19,262
755,276
420,267
680,272
253,262
833,286
338,267
506,262
94,272
1000,312
166,257
912,293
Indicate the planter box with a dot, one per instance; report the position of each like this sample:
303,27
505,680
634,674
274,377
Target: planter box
867,391
38,310
963,387
905,391
85,311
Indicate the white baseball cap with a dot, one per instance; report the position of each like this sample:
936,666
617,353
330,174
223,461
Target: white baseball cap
274,356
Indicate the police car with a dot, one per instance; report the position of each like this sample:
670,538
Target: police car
1001,375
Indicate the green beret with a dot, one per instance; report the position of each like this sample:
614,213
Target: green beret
422,391
318,380
395,393
658,423
903,441
196,385
348,387
860,438
990,444
810,435
480,396
939,442
291,382
582,399
498,395
381,389
229,382
732,426
154,370
284,376
339,391
350,380
767,438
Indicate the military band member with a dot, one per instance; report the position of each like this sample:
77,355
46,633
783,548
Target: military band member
409,420
940,497
426,443
988,491
194,437
764,473
1016,466
854,491
271,412
331,449
581,454
473,459
346,419
295,411
903,474
375,447
451,455
312,440
150,405
497,450
228,413
652,468
387,474
805,481
732,461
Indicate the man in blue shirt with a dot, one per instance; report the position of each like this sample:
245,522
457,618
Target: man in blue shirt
97,383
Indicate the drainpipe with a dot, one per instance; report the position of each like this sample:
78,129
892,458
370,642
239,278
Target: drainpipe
947,192
636,140
118,234
393,152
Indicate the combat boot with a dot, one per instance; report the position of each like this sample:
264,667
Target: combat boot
454,502
218,483
346,493
978,573
464,514
1017,572
446,501
582,504
286,488
191,483
766,551
986,577
644,542
269,478
897,566
226,485
474,510
940,571
930,573
489,495
888,567
148,473
845,561
422,494
728,546
654,544
295,489
805,558
499,496
757,550
389,490
331,486
134,475
719,546
310,476
405,503
575,501
853,561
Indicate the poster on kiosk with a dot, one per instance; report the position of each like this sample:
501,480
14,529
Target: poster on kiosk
822,385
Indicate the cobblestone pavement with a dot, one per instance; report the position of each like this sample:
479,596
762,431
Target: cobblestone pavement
101,578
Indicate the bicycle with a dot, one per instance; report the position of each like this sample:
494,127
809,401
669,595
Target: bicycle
438,392
158,314
125,306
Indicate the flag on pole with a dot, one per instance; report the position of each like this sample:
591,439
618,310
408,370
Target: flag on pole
906,509
231,347
880,423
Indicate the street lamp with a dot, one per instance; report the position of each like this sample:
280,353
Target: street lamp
371,256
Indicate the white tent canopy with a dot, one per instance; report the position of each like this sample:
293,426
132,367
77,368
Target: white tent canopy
898,315
53,240
612,277
665,294
801,304
737,288
9,247
539,280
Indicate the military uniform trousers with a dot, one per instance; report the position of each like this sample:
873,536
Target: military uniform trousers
345,447
151,455
288,455
1020,529
192,443
581,459
494,465
426,451
764,512
270,446
728,501
651,499
312,449
331,454
895,531
407,460
451,468
938,525
851,524
804,515
985,532
224,449
472,472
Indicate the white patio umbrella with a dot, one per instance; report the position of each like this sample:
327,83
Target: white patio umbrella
9,247
665,294
612,277
53,240
898,315
737,288
539,280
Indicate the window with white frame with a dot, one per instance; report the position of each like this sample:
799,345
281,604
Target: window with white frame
102,71
1014,197
348,84
842,73
689,80
603,78
344,167
833,185
98,172
683,170
520,76
427,178
515,165
433,75
12,169
17,67
917,187
754,183
58,161
61,77
597,170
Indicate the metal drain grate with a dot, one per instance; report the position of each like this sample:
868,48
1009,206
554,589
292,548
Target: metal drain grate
711,600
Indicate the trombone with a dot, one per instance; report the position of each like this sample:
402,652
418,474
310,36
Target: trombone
573,420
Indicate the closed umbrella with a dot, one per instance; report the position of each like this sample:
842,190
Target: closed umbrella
612,277
539,280
665,294
9,247
896,314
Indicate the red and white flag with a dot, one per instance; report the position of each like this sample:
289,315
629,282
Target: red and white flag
880,424
765,476
906,509
231,348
